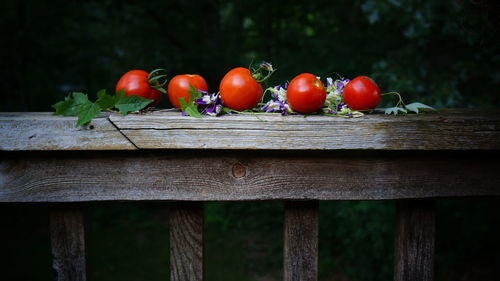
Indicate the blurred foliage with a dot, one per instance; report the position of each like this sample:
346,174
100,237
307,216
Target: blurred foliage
444,53
243,241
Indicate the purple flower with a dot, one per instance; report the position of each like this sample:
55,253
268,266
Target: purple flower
210,104
278,103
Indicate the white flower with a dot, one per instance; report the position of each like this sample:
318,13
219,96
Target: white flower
207,99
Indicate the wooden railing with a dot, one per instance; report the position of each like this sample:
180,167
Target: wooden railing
162,156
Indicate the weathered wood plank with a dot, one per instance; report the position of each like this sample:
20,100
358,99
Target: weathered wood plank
443,130
68,243
300,251
43,131
225,175
186,241
414,241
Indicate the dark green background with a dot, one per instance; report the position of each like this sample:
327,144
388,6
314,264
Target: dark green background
444,53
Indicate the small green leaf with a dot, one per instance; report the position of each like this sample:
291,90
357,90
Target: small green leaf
104,100
80,98
192,111
65,107
119,94
70,105
194,94
416,106
183,104
394,110
126,104
87,111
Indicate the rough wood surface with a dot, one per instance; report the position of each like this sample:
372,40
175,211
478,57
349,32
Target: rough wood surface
414,240
300,251
205,176
444,130
68,243
43,131
464,129
186,241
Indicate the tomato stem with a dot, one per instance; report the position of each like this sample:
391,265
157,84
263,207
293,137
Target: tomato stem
154,80
258,75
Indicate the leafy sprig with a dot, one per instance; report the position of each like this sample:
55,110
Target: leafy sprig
78,104
402,108
189,107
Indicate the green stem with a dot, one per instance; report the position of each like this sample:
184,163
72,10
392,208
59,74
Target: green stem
400,103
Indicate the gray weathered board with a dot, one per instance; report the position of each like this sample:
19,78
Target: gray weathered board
442,130
221,175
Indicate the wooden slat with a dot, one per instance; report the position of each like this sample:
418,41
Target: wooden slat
414,241
443,130
225,176
186,241
300,252
68,243
43,131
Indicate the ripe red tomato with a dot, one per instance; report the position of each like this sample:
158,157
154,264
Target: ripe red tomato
136,82
306,93
178,87
239,90
361,93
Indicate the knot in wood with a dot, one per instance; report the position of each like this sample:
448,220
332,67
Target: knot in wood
239,171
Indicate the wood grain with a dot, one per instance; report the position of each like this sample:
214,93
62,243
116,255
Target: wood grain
186,241
226,176
300,251
43,131
464,129
414,240
443,130
68,243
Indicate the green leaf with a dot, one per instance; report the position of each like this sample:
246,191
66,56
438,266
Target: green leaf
394,110
194,94
183,104
120,94
126,104
416,106
87,111
70,105
190,110
104,100
65,107
80,98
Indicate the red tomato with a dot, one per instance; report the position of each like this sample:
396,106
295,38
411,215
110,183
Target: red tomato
135,82
306,93
361,93
178,87
239,90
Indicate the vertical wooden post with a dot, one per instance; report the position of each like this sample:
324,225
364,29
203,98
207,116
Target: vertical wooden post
414,240
186,241
301,241
68,243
